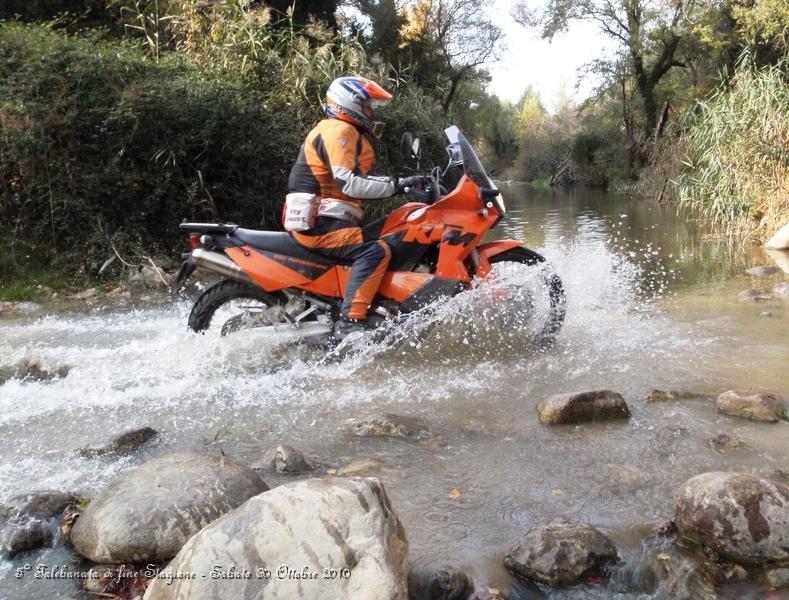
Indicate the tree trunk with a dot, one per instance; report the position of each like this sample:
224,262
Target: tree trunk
661,124
646,88
453,88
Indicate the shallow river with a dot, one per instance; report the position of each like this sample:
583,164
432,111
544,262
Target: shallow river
652,303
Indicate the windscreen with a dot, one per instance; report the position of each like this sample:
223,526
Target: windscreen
475,171
471,165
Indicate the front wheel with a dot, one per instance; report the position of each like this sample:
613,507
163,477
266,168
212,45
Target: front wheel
551,281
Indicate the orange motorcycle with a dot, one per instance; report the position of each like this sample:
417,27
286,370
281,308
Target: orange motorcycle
270,281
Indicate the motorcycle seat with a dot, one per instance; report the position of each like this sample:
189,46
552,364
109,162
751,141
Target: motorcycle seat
282,243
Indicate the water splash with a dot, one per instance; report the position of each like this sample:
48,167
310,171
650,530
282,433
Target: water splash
466,363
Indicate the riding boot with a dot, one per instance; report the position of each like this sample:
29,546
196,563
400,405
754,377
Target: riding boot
346,327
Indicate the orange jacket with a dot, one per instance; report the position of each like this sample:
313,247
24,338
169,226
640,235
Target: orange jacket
334,162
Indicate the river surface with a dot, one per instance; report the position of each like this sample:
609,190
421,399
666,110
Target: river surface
652,303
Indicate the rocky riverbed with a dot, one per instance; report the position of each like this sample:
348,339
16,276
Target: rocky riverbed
197,525
651,424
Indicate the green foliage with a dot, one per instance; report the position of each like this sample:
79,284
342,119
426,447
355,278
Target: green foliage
764,22
737,167
101,145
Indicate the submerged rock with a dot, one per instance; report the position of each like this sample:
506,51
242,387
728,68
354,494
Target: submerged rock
763,271
284,459
780,476
581,407
561,553
30,368
756,405
124,444
661,570
777,578
754,295
627,476
444,584
32,520
741,517
148,513
781,290
318,539
725,443
391,425
363,466
672,395
19,307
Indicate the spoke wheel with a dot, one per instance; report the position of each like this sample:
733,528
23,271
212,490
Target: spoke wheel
551,281
231,306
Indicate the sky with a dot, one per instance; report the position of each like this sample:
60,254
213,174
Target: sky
549,67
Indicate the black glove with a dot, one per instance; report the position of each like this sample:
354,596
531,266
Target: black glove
414,181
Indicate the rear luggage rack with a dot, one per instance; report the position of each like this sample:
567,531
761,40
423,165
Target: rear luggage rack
209,227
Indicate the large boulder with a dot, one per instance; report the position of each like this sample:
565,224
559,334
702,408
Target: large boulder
780,241
561,553
32,520
757,405
313,539
148,513
741,517
580,407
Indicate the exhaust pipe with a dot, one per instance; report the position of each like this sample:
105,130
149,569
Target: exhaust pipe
220,264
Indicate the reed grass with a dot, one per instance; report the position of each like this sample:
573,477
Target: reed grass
736,168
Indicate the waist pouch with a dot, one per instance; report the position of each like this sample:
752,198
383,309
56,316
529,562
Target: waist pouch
301,210
340,209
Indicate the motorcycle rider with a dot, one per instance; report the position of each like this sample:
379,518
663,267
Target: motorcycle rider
332,177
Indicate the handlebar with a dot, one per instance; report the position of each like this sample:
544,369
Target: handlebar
424,196
432,191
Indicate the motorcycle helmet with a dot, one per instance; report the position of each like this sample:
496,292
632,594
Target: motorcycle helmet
355,100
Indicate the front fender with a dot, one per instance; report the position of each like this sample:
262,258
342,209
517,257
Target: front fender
491,249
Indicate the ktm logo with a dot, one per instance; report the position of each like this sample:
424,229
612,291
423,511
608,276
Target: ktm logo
430,234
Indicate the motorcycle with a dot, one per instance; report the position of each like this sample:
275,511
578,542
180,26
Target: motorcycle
272,282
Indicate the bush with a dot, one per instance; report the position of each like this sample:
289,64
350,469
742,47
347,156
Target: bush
100,144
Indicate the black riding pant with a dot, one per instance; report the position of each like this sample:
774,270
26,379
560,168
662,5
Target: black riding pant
344,240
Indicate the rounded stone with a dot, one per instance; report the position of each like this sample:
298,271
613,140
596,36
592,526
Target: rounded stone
148,513
741,517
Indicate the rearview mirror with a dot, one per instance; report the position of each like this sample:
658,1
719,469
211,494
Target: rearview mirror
406,144
409,146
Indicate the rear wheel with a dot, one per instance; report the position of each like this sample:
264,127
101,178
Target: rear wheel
231,306
551,281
